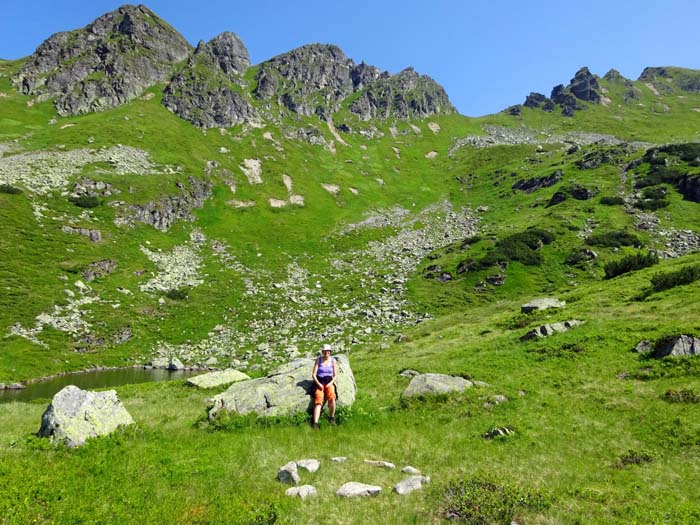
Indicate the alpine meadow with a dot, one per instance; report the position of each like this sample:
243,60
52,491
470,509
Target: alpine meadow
512,300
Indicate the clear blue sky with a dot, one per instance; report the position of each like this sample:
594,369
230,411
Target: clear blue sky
487,54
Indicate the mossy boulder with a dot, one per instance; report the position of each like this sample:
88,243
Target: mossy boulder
76,415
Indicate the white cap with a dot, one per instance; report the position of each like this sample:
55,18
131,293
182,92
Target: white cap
326,347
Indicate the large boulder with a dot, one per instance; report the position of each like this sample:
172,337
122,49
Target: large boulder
75,415
550,329
218,378
543,303
436,384
682,345
285,392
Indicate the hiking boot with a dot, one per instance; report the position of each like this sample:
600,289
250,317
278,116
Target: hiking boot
331,420
315,426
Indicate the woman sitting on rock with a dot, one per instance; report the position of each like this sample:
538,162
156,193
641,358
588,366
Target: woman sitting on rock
324,374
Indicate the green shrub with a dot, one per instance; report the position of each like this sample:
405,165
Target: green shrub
630,263
651,204
666,281
579,256
654,192
681,396
482,501
519,247
612,201
634,457
178,294
614,239
85,201
7,188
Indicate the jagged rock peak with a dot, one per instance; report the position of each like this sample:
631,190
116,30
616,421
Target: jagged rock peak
584,86
109,62
615,76
228,50
207,91
404,95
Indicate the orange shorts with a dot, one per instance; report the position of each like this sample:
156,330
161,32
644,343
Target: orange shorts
327,391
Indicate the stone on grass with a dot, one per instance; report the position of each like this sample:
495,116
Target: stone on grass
353,489
303,491
285,392
339,459
410,484
289,474
542,304
682,345
311,465
644,346
436,384
498,432
383,464
75,415
410,470
218,378
550,329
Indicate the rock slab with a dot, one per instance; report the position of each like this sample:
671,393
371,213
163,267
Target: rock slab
289,474
409,484
76,415
218,378
550,329
285,392
310,465
303,491
436,384
542,304
682,345
353,489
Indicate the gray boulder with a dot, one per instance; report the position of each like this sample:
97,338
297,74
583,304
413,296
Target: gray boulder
382,464
286,391
289,474
303,491
682,345
549,329
310,465
436,384
218,378
542,304
104,65
411,483
75,415
353,489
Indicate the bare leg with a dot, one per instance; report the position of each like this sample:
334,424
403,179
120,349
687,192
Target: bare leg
331,408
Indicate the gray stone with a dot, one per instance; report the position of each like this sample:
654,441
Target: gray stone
339,459
218,378
499,432
353,489
409,484
289,474
542,304
76,415
409,373
410,470
310,465
383,464
550,329
302,491
286,391
644,347
175,364
682,345
436,384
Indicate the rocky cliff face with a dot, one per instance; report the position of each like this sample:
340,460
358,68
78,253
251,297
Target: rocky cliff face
106,64
208,91
665,78
312,79
404,95
583,87
119,55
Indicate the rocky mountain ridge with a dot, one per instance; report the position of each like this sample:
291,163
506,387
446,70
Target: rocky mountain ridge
123,53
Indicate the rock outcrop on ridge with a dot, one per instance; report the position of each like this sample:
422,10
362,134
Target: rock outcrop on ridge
208,92
104,65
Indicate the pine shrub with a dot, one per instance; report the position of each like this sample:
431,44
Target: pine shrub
668,280
630,263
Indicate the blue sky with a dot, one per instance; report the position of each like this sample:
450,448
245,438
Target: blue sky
487,54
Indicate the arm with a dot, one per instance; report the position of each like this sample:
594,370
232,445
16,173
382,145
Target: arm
313,375
335,371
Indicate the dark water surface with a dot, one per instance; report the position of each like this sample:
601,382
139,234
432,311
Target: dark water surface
93,380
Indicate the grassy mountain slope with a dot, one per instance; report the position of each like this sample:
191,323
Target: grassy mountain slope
595,433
